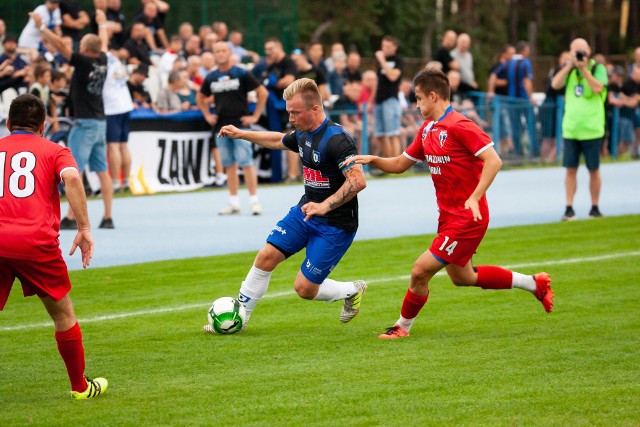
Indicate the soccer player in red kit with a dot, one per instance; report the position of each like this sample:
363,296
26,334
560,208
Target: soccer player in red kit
31,168
463,164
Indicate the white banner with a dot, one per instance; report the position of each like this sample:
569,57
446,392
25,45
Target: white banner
163,160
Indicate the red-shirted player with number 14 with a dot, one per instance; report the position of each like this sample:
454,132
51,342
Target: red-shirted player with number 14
31,168
463,164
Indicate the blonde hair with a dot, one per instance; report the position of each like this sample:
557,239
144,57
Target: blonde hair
308,89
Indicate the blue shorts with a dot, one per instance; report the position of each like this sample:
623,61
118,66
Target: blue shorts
118,127
627,133
87,142
387,117
325,244
589,147
235,151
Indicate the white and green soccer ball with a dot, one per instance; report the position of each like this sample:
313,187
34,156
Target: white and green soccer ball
226,315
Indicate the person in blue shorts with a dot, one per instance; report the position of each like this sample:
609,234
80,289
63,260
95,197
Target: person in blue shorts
325,219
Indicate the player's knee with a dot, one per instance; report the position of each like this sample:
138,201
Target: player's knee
266,260
305,292
418,274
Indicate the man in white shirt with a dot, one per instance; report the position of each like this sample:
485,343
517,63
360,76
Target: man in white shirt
51,19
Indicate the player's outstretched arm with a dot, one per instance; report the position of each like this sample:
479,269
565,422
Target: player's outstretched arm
78,202
267,139
396,164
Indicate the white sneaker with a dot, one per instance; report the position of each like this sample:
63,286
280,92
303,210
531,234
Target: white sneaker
221,179
256,209
229,210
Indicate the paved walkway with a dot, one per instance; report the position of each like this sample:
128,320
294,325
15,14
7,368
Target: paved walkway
185,225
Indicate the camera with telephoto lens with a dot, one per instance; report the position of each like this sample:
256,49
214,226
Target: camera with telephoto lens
580,55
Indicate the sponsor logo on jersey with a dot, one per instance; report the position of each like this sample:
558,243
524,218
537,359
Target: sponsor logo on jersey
437,159
314,178
442,137
315,156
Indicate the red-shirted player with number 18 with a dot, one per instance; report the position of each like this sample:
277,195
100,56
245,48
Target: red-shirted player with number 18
463,164
31,168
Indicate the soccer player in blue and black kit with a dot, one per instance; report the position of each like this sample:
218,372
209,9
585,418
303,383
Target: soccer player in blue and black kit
325,219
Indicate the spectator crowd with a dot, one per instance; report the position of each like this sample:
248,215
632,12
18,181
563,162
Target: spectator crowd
165,73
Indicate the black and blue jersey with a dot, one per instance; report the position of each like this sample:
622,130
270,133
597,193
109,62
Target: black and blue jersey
322,152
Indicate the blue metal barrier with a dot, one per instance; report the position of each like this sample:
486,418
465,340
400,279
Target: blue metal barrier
505,115
614,132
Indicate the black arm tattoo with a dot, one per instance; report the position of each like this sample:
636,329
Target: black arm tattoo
349,189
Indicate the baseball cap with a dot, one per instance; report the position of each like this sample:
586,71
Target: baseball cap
296,52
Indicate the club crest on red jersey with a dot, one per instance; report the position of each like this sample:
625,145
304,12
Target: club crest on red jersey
442,137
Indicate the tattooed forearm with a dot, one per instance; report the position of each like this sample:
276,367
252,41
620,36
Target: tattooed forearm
355,182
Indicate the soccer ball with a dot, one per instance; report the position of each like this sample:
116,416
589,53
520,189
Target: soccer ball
226,315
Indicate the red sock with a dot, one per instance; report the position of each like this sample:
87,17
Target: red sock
412,304
492,277
72,352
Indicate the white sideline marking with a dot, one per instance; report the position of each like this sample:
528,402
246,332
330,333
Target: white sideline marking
281,294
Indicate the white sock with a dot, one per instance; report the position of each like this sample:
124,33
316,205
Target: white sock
523,281
253,288
332,290
234,201
115,184
253,199
125,182
405,324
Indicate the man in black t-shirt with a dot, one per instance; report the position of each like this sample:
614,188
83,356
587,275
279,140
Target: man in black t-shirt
230,85
280,73
443,54
155,25
87,139
139,50
326,218
387,111
73,20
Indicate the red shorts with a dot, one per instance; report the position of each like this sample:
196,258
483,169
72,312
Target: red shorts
457,241
42,278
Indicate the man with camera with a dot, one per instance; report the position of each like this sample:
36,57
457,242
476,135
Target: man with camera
583,124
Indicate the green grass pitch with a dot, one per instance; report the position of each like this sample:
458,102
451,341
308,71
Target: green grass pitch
474,357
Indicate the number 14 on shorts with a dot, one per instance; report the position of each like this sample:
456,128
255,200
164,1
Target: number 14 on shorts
448,247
